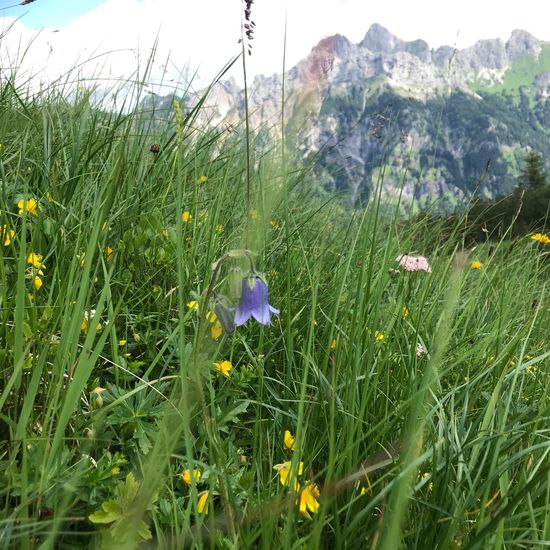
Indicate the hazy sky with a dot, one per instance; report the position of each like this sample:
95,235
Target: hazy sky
205,32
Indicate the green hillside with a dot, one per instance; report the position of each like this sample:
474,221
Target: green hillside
522,72
448,147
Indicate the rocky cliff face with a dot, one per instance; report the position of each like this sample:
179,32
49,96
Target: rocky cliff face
442,122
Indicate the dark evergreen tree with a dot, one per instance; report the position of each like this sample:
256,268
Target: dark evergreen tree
533,175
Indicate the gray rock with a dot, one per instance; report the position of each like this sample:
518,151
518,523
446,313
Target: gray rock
521,44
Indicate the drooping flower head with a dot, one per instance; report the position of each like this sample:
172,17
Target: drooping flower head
226,317
253,302
203,503
6,234
307,501
413,263
287,475
289,440
37,281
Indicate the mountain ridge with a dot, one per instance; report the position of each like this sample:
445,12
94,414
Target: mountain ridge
466,117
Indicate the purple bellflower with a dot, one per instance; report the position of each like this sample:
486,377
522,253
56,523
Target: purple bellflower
253,302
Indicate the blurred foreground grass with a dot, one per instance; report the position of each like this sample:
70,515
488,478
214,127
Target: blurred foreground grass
416,403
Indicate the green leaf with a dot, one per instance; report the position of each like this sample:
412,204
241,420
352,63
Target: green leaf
143,531
111,511
231,415
127,491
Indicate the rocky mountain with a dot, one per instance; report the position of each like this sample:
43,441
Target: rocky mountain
426,123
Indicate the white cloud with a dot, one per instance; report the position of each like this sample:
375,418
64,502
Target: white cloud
205,33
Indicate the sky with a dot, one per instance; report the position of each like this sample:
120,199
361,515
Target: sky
115,36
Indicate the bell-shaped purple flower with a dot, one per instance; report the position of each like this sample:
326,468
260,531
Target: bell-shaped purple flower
253,302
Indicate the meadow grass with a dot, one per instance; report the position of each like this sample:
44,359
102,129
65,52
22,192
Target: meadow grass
418,402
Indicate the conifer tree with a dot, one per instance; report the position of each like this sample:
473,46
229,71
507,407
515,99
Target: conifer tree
533,175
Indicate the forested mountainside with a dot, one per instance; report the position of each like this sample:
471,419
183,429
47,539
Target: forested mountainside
436,124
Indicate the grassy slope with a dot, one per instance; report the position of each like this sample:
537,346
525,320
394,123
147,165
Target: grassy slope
453,442
522,72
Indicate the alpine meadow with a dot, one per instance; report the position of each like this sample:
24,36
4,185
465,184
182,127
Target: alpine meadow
206,343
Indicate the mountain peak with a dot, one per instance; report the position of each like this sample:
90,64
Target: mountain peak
521,43
380,40
337,44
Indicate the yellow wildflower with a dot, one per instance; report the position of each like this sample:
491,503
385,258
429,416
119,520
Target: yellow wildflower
211,316
122,343
379,336
6,234
87,317
108,253
333,344
186,216
186,476
223,367
307,501
531,368
115,470
193,304
286,476
430,484
37,282
541,238
35,260
289,440
219,228
476,264
202,505
405,312
216,330
201,180
30,205
364,488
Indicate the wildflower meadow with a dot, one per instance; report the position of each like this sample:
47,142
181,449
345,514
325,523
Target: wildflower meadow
200,350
